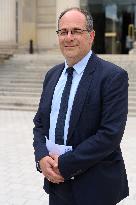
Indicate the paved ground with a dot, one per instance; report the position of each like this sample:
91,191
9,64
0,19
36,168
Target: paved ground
20,183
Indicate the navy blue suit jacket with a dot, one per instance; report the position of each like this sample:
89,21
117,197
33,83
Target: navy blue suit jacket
97,124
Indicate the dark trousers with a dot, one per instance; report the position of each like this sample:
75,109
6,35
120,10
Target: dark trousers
61,194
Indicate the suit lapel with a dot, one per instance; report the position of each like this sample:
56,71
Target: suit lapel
81,95
53,82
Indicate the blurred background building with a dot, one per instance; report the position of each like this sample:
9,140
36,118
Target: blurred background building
28,26
31,24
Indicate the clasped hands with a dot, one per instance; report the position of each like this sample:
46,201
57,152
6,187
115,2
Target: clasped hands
49,168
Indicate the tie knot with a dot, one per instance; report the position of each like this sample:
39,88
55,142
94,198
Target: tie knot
70,70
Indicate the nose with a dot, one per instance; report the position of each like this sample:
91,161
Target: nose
69,35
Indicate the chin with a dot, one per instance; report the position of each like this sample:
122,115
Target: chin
69,53
70,56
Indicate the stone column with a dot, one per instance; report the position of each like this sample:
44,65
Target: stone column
27,25
7,23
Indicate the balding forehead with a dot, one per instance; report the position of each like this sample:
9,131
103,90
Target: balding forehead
74,12
72,16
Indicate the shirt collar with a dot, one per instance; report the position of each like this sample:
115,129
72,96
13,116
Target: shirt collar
80,66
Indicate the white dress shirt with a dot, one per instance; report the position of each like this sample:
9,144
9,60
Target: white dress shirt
77,74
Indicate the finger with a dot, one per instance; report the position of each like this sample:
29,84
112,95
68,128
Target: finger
54,157
56,176
51,172
52,162
56,182
56,170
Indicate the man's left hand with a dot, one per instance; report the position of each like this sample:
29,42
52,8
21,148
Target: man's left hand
55,158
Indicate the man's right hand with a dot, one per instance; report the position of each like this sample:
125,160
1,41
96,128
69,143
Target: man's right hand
47,164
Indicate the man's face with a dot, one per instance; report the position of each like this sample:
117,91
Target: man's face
74,46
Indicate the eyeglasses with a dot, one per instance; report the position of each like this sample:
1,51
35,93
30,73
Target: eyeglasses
74,32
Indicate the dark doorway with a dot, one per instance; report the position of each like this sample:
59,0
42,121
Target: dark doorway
99,27
126,42
98,14
111,23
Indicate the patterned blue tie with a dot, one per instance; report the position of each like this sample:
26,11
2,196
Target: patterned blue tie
59,131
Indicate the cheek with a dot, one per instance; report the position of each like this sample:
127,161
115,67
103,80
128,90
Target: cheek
86,43
61,40
61,44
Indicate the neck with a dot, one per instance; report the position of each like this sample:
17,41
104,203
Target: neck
71,62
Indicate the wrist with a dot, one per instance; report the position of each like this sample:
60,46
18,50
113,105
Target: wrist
38,167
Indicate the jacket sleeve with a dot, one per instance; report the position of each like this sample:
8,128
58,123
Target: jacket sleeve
39,141
109,134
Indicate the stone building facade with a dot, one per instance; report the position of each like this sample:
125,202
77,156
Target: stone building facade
24,20
35,21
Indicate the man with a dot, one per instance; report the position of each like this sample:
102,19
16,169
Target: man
92,121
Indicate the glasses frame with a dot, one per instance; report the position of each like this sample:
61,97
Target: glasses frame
65,33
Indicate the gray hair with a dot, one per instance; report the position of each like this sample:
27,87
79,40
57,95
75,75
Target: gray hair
88,17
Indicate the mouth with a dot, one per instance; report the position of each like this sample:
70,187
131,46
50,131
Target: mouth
69,46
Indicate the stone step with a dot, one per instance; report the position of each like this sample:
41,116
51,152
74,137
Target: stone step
19,100
21,79
22,84
27,107
132,97
132,93
132,89
132,84
37,78
132,110
37,92
33,98
35,73
24,75
16,89
38,84
22,71
31,103
19,93
32,85
131,103
18,107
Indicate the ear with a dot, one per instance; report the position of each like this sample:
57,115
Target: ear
92,35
